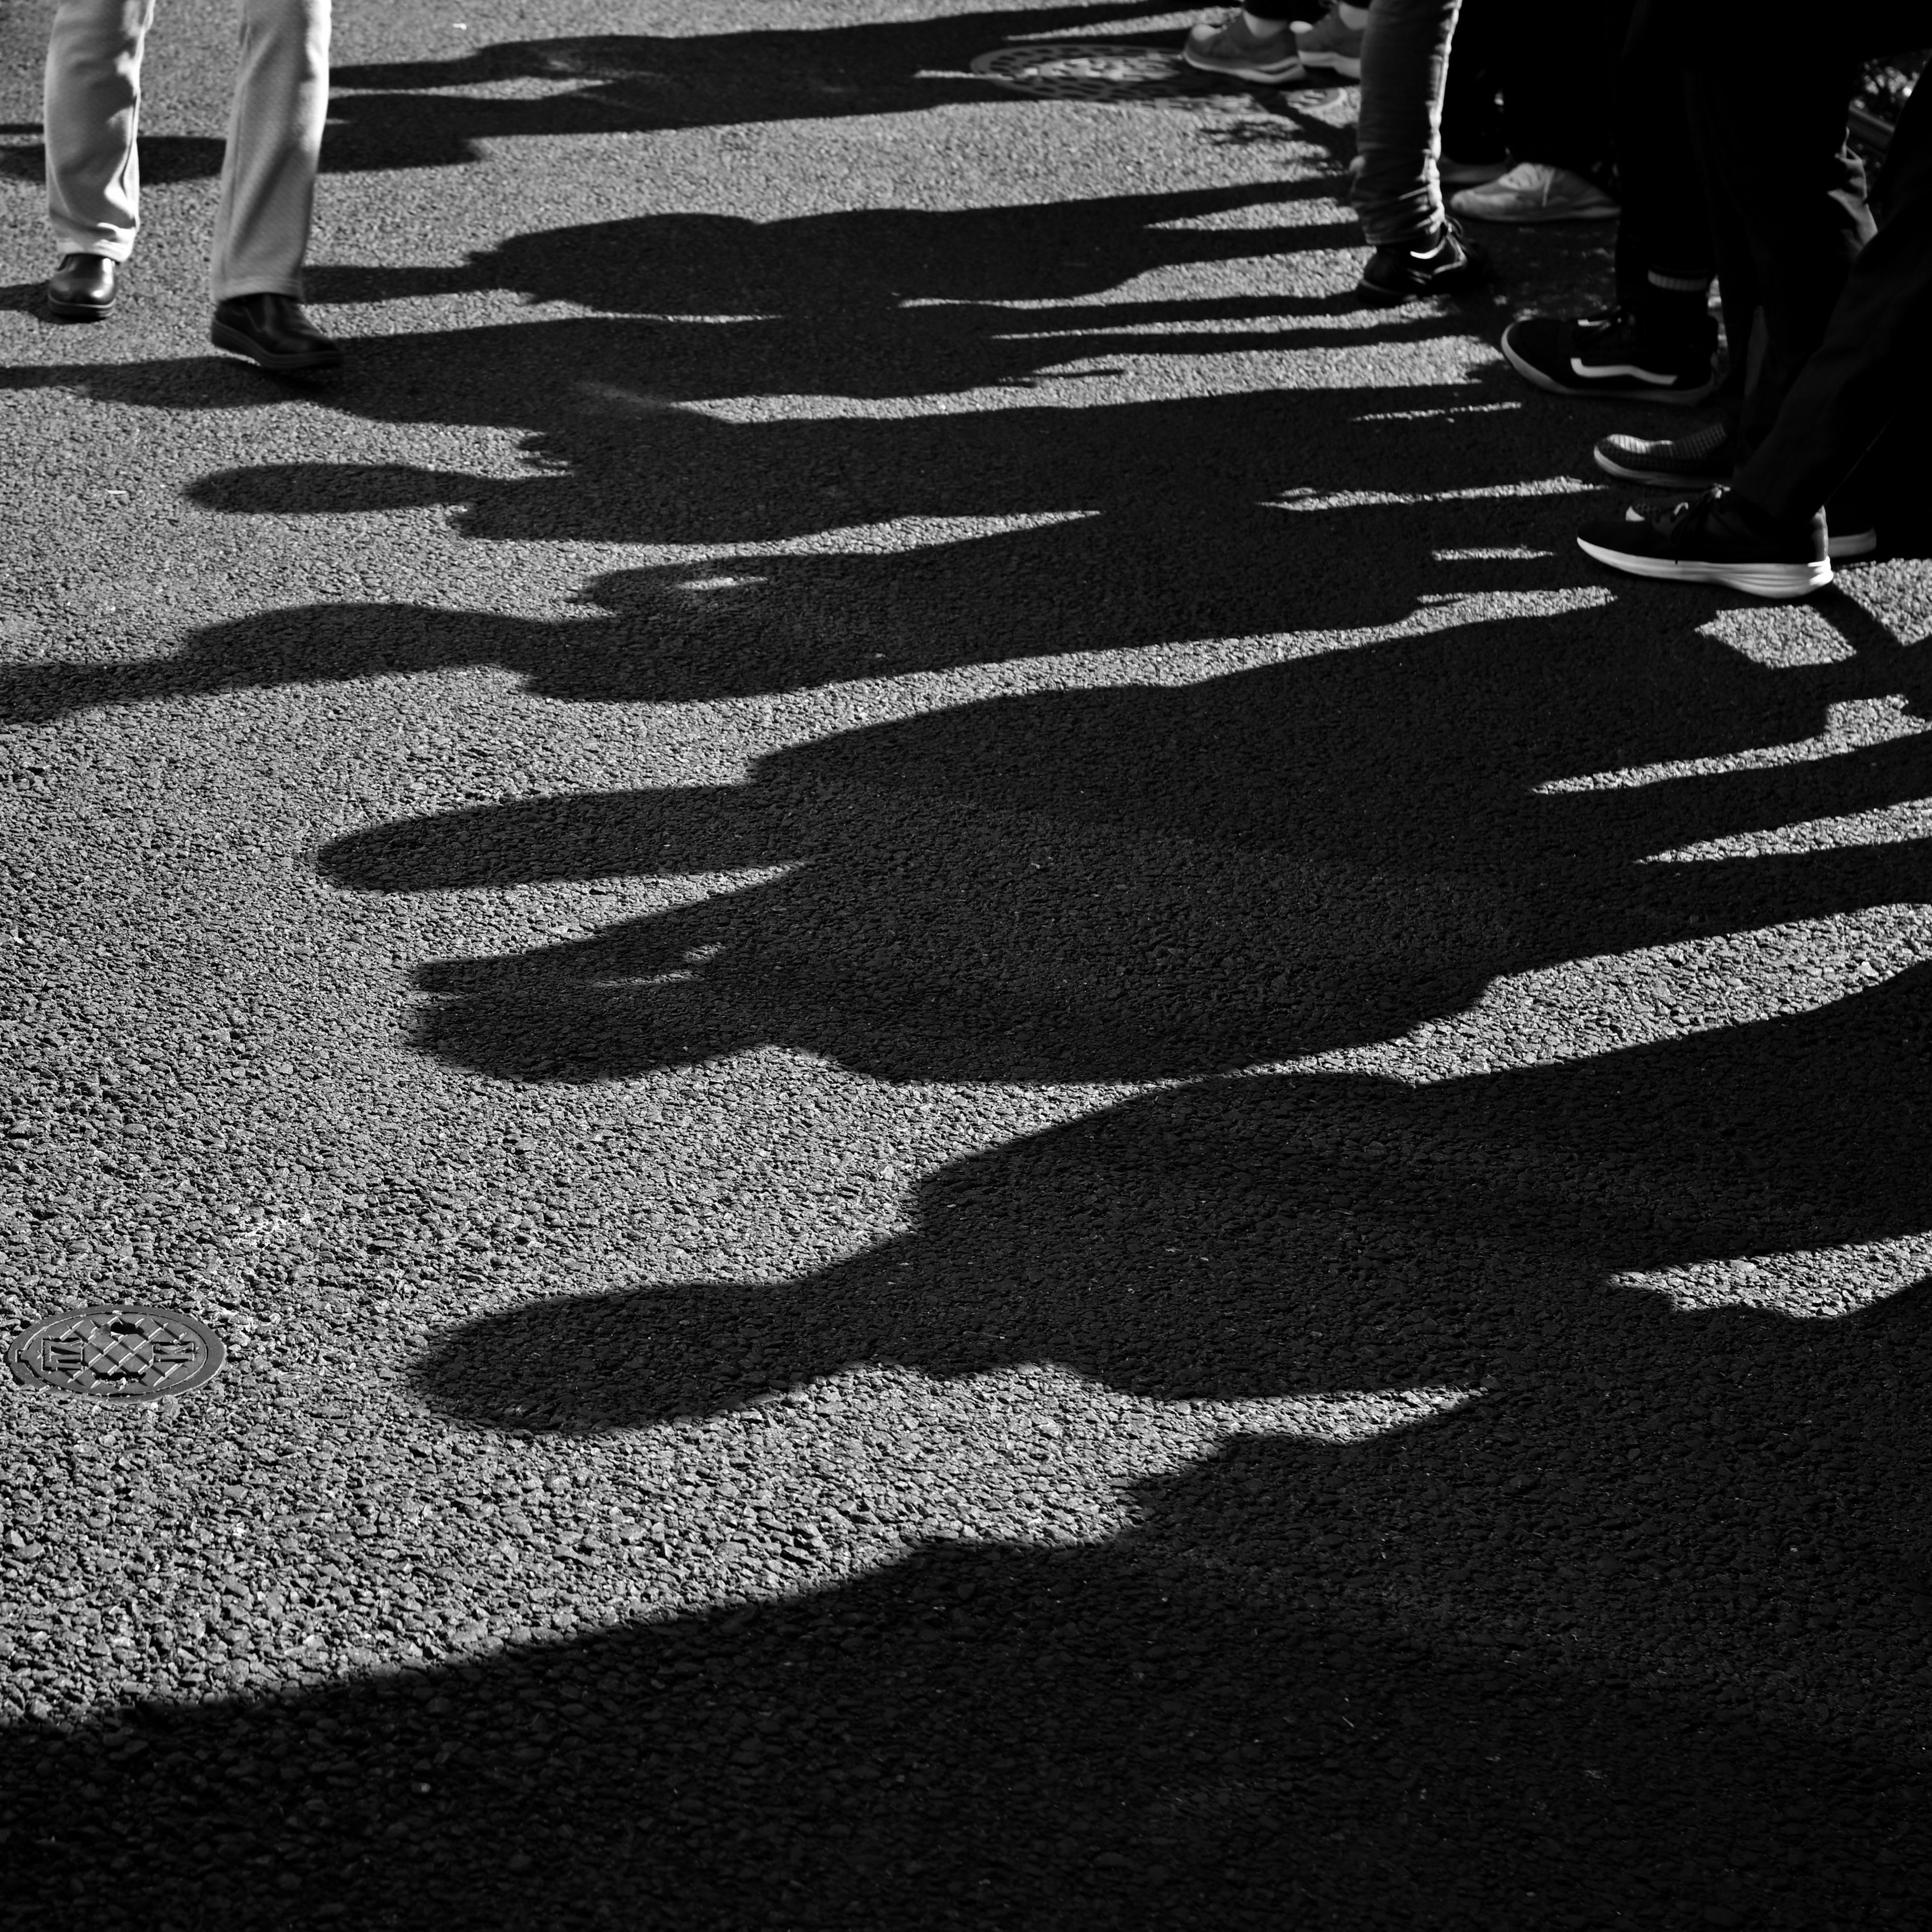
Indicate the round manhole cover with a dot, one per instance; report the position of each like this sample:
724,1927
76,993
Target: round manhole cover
1093,71
118,1354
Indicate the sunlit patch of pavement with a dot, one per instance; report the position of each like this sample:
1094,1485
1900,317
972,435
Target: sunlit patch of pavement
1812,1284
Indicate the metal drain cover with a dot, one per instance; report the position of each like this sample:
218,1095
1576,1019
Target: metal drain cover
1093,71
118,1354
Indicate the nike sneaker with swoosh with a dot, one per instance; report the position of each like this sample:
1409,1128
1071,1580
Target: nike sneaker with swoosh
1606,355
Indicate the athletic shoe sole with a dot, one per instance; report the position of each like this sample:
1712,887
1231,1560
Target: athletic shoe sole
1662,479
1276,76
1783,581
1679,399
1349,69
310,361
1853,544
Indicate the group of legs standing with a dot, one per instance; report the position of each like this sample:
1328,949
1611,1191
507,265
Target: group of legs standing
1721,125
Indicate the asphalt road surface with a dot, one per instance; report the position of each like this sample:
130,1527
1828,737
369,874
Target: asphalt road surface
1002,1117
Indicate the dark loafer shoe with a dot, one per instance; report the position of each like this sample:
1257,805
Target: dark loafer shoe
273,331
81,289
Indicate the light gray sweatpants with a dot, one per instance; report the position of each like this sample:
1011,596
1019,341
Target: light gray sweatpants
275,138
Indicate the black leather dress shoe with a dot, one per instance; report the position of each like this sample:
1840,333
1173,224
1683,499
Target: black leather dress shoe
273,331
81,289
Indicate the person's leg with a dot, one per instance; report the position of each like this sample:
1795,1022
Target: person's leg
1871,365
1472,120
1788,210
1558,67
93,104
1658,341
274,146
1398,132
1665,258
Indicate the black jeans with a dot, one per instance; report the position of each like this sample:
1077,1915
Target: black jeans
1869,369
1786,197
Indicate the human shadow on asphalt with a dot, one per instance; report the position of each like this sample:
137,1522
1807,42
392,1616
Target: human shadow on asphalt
845,266
1509,1668
1127,527
164,158
1148,881
1282,1235
434,113
871,303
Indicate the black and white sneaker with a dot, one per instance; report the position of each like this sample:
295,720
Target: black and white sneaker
1607,355
1701,460
1712,539
1448,266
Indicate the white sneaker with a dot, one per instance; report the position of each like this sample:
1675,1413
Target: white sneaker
1535,191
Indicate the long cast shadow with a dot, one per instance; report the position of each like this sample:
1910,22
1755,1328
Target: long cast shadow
431,114
1408,1682
1137,525
1134,883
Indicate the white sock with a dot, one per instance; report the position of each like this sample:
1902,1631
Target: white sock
1260,29
1354,18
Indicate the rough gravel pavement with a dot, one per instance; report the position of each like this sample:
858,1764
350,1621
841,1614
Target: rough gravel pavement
1003,1119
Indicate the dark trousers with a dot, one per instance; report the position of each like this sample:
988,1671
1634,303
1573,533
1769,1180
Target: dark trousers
1786,198
1555,67
1665,230
1869,368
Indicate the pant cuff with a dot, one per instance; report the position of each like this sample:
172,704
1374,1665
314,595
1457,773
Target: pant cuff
258,285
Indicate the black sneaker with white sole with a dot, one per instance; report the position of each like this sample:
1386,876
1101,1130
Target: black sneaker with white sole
1608,355
1449,266
1713,539
1701,460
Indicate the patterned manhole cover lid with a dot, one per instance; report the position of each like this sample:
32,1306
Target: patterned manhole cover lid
118,1354
1093,71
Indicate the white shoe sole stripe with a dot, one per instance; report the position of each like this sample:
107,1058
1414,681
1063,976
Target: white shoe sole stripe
1783,580
1610,370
